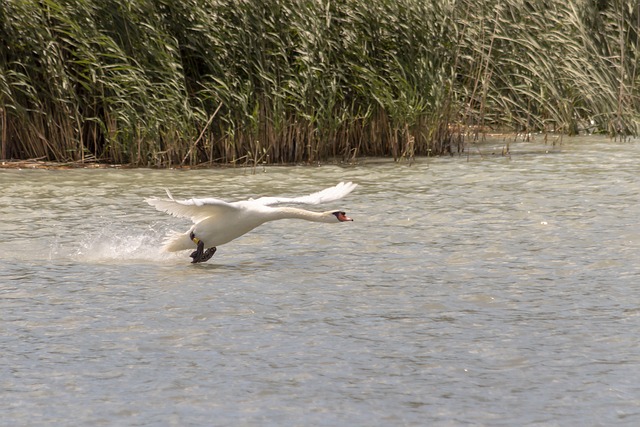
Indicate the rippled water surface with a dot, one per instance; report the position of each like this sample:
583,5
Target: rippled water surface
489,290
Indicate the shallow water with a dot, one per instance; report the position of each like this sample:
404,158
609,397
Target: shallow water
488,290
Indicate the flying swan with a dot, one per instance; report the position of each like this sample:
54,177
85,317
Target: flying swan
217,222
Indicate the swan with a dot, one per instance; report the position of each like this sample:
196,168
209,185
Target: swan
216,222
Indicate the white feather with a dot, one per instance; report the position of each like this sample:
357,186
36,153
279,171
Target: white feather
325,196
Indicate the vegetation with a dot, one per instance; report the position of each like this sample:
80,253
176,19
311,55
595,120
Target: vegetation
168,82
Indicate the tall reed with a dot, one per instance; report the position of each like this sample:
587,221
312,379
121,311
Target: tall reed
170,82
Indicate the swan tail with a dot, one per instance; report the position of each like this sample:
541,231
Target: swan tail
178,242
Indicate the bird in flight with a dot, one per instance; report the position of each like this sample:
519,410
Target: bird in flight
216,222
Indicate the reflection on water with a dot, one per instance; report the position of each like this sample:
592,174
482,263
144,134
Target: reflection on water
493,290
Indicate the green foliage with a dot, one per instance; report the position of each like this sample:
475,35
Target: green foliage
166,82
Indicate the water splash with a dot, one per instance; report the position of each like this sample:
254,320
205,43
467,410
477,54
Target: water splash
114,242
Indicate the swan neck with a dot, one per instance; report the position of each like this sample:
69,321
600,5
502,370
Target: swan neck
295,213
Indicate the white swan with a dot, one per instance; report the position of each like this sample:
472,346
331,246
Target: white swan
217,222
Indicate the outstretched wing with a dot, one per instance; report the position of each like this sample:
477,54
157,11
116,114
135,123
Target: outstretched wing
324,196
194,209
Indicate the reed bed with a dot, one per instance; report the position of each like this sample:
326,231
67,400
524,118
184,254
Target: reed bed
174,82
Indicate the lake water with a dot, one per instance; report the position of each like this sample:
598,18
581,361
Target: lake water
482,290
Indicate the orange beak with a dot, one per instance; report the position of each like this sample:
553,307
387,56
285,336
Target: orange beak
342,217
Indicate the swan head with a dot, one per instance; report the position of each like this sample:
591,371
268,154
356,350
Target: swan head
341,216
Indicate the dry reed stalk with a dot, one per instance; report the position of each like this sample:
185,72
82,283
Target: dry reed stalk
303,81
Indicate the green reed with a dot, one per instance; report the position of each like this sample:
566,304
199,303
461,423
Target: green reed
173,82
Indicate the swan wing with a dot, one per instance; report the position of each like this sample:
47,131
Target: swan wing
194,209
324,196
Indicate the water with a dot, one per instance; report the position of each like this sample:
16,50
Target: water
489,290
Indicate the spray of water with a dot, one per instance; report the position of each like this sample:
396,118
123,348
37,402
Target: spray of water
116,243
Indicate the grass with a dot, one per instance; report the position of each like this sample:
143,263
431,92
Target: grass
168,82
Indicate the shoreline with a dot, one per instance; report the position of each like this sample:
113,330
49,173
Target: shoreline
52,165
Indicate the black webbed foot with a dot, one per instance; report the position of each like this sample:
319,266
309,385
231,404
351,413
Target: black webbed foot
206,256
197,254
200,255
